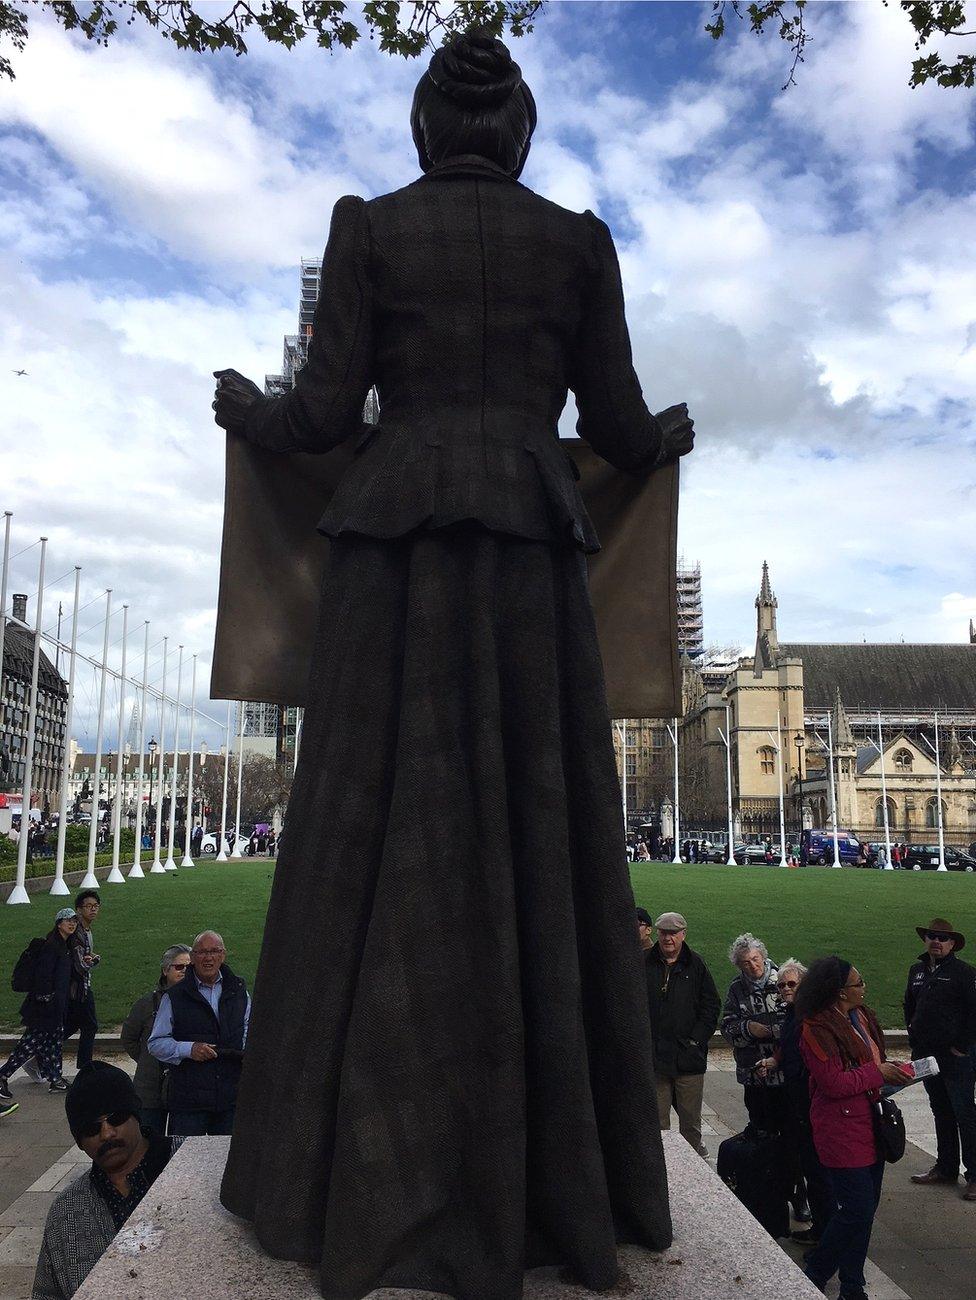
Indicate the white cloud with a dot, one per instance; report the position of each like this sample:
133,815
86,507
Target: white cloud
821,340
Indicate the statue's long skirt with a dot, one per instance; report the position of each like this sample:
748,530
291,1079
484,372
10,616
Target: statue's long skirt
448,1075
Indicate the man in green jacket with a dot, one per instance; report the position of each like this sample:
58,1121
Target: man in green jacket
684,1008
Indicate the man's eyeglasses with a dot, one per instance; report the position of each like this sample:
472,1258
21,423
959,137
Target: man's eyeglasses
787,984
94,1127
208,952
940,936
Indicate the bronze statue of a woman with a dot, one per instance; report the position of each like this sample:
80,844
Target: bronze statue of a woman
448,1076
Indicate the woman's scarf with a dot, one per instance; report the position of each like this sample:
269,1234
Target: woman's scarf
830,1033
761,981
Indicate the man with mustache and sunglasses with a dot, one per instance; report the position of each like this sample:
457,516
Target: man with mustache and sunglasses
940,1013
102,1107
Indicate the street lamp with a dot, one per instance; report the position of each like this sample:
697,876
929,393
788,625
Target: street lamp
153,749
800,742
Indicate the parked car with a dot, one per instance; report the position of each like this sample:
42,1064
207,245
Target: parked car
208,845
817,848
925,857
749,854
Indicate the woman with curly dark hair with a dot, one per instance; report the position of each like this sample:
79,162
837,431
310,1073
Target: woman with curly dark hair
843,1048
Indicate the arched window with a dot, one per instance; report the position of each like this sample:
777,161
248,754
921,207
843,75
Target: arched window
879,813
932,813
904,760
767,760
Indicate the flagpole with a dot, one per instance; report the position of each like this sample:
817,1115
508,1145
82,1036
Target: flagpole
91,880
115,876
19,892
135,871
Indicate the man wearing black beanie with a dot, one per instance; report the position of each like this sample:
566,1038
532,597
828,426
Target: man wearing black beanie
102,1108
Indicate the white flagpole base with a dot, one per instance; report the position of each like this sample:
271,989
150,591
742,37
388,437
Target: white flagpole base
221,856
188,861
169,865
837,864
783,863
115,877
942,868
157,868
731,863
59,888
18,895
887,867
90,881
136,872
236,853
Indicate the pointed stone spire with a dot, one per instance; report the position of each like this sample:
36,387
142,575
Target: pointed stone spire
843,736
766,596
767,643
972,631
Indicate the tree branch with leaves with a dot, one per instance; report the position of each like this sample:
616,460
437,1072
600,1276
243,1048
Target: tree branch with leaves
405,29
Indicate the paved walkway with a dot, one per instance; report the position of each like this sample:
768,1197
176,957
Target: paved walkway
923,1247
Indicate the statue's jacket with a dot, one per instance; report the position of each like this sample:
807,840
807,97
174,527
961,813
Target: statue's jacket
470,399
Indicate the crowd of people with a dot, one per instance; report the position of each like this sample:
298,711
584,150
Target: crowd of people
809,1054
186,1036
811,1058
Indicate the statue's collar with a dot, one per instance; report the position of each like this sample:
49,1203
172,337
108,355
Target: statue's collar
468,164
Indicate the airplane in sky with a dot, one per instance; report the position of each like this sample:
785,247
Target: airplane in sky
19,372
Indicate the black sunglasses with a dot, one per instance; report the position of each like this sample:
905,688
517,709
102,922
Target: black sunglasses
940,935
94,1126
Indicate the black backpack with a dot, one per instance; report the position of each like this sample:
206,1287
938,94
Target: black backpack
22,980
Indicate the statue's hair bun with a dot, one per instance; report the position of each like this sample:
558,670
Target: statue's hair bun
475,72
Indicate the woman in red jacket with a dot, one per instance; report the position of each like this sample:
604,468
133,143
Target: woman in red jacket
843,1048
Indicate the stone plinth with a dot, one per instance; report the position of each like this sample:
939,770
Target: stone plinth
181,1237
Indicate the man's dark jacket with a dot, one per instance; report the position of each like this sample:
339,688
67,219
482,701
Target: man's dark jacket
940,1006
684,1006
208,1085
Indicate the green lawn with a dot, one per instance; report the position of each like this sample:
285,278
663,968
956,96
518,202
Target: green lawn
139,920
867,916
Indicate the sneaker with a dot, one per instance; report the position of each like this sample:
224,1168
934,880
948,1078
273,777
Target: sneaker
32,1072
59,1085
5,1093
8,1108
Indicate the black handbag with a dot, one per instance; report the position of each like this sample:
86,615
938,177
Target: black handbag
889,1129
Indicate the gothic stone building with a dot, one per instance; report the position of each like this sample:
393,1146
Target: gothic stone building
778,701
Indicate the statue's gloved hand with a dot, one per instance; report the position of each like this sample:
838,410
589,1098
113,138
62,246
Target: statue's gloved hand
679,431
233,397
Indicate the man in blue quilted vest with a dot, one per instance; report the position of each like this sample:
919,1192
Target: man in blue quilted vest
199,1036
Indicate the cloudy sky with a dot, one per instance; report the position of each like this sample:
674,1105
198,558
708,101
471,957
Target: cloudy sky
800,268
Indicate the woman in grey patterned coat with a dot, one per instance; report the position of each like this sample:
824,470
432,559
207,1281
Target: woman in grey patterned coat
751,1022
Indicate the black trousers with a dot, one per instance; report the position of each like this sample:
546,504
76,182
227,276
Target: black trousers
954,1110
799,1136
81,1017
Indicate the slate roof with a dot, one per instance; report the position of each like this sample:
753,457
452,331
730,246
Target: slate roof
890,677
18,661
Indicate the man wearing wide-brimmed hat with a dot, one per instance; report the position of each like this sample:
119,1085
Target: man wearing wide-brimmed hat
940,1012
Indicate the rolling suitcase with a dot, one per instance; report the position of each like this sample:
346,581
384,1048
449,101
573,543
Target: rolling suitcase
754,1165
